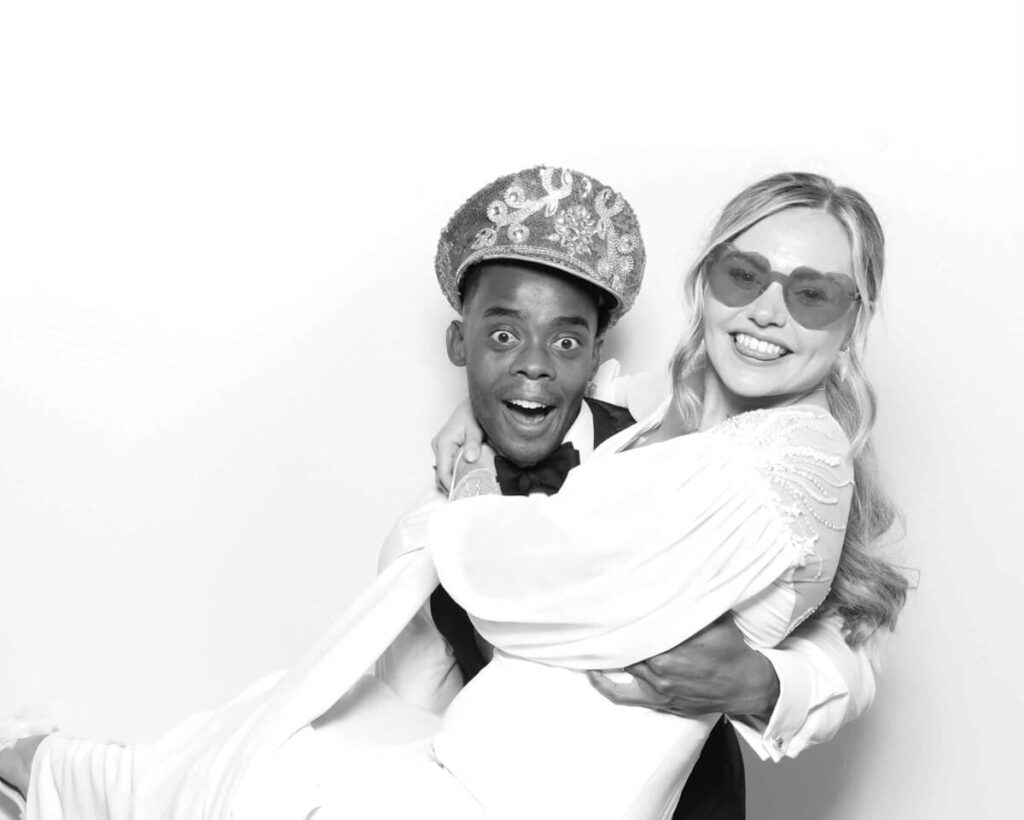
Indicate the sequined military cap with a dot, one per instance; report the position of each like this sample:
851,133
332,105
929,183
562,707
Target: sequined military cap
549,216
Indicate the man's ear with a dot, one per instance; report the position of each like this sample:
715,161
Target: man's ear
455,340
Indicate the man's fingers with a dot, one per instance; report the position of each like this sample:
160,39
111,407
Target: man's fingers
621,693
441,486
471,447
460,431
643,671
634,692
445,465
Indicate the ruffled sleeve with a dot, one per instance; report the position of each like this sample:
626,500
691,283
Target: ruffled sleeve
641,549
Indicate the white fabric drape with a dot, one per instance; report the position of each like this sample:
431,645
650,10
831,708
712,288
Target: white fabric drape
638,551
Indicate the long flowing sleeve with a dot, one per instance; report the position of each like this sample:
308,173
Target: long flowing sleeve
223,763
96,779
643,548
418,665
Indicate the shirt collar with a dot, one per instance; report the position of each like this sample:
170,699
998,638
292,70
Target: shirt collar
581,434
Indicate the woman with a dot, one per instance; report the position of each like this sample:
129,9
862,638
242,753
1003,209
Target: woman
738,494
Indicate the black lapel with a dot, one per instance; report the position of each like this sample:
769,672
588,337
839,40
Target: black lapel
609,419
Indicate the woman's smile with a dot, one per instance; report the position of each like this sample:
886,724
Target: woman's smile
759,349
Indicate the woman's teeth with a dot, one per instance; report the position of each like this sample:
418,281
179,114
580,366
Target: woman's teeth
758,348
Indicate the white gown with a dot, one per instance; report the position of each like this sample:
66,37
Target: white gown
639,550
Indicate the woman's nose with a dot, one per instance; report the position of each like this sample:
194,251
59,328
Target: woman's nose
769,308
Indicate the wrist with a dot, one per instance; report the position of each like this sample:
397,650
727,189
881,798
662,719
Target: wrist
760,690
768,689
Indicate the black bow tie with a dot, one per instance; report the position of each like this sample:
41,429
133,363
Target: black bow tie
546,476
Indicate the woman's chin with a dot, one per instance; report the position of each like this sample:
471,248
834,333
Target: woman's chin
760,393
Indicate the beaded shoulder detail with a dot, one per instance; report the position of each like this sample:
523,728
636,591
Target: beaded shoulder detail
804,455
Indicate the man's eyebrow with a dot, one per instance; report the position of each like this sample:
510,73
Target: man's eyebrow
512,313
579,321
504,311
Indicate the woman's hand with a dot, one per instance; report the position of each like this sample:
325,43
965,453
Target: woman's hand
460,432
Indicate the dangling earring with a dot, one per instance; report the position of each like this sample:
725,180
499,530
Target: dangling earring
843,364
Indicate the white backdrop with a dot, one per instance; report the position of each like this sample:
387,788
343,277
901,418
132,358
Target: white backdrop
221,353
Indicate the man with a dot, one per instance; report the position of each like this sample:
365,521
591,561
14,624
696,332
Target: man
540,264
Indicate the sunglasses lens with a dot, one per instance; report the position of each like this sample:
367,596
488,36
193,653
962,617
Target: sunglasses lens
816,300
735,281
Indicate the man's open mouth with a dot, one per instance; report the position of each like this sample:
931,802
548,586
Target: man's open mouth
527,412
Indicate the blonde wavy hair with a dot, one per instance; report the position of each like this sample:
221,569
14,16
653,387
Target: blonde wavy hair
868,591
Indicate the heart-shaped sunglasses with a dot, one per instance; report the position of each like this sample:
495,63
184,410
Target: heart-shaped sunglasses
815,300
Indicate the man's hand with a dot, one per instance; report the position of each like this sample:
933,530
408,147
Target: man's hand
714,671
460,432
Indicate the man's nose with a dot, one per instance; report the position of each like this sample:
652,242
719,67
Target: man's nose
770,307
534,362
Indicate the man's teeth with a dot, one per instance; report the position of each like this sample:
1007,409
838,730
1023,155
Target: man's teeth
523,404
750,344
